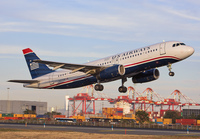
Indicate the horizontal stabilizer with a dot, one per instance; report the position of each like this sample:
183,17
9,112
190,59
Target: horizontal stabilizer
24,81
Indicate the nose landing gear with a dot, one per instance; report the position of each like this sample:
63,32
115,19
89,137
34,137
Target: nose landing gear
170,72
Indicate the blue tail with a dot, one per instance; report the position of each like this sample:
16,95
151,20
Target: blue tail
36,69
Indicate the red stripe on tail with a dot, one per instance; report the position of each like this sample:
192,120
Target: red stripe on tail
27,50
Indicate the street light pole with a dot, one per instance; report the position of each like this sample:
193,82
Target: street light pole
8,102
8,93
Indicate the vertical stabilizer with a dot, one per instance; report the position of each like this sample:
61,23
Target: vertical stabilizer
36,69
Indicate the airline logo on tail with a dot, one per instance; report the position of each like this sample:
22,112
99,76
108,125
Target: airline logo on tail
34,65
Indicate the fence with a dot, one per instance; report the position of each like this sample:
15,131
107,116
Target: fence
106,124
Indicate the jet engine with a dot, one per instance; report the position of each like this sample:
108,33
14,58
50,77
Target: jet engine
111,72
146,76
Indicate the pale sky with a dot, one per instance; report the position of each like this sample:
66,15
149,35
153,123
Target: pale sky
78,31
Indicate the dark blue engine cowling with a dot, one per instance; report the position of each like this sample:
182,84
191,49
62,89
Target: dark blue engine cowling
146,76
111,72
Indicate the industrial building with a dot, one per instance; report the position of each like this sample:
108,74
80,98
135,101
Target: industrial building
190,112
18,106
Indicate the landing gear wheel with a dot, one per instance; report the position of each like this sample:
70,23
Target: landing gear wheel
98,87
171,73
122,89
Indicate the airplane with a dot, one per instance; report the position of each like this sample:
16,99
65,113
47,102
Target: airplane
139,64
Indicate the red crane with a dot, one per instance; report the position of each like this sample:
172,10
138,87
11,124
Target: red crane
87,97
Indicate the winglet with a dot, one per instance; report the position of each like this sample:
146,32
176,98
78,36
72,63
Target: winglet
27,50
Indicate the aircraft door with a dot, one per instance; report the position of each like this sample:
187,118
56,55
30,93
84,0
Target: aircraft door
162,49
117,60
51,81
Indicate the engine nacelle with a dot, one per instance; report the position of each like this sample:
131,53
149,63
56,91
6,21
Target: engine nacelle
111,72
146,76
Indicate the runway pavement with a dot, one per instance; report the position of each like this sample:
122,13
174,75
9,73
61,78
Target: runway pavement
101,130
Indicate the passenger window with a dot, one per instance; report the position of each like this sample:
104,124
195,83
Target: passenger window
173,45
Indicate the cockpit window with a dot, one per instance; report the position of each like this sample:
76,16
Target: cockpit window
177,44
182,43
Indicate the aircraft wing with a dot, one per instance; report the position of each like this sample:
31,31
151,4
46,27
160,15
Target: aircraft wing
88,69
24,81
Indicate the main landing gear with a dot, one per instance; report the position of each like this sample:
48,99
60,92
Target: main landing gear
170,72
98,87
123,89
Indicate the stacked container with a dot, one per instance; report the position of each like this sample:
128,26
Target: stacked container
198,122
167,121
7,115
120,111
186,121
59,116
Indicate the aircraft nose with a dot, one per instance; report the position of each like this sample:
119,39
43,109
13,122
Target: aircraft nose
190,50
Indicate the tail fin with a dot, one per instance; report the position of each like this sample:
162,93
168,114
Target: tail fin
36,69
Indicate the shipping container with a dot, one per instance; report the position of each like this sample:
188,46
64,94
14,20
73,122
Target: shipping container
128,115
113,111
189,121
10,118
119,114
198,122
18,115
0,115
178,120
33,115
59,116
40,116
159,122
27,116
167,121
7,115
186,121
